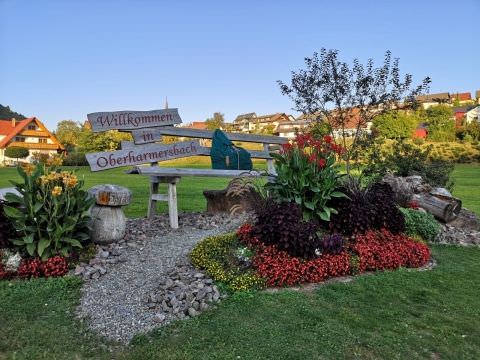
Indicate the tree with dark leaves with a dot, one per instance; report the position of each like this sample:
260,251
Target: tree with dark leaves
340,94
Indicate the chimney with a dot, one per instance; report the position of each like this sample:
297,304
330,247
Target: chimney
14,122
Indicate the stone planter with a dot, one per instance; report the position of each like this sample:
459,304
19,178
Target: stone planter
108,220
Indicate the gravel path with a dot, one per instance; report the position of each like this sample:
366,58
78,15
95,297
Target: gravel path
114,304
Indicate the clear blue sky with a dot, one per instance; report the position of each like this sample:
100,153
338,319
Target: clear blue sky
63,59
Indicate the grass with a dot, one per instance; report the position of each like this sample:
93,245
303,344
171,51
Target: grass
401,314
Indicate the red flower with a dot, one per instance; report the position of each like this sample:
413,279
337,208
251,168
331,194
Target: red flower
287,147
322,163
328,139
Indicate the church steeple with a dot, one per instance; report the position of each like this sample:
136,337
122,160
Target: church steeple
166,102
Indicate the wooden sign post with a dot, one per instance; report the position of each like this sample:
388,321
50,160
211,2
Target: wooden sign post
143,154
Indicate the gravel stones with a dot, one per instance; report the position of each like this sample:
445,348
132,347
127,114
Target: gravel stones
151,283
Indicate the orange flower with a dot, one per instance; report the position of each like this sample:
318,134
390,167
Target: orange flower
57,191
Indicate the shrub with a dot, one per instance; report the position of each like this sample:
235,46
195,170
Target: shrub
307,175
381,250
52,215
367,208
75,159
214,255
34,267
16,152
406,159
282,225
420,223
6,228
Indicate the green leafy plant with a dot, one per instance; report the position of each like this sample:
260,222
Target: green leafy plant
6,228
307,175
420,223
51,215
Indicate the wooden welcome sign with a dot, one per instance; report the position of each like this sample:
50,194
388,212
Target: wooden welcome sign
131,120
142,124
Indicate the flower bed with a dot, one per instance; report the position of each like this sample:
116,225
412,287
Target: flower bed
270,266
34,268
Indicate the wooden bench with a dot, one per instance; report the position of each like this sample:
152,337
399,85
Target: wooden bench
171,176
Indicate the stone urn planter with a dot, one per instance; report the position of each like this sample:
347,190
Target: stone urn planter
108,222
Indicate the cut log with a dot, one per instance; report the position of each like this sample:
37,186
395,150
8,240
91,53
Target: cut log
445,209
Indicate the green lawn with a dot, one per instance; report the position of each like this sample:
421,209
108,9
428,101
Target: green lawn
398,315
189,190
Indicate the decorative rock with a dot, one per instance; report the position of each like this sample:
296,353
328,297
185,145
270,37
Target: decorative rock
192,312
108,220
79,270
159,318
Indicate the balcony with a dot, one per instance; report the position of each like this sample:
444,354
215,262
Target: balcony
34,146
39,133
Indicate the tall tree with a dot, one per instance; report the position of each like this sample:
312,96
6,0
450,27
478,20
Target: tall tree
7,114
215,122
103,141
68,133
441,124
341,94
396,124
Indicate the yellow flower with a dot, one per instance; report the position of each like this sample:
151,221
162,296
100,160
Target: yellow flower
70,181
28,168
57,191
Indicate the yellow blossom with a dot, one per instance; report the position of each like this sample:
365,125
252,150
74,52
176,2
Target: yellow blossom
57,191
28,168
70,181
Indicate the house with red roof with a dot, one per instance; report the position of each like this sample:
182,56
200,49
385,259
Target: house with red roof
29,133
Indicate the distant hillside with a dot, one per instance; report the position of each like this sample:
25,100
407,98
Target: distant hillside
7,114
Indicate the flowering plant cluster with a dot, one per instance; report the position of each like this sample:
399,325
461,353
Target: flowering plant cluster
34,268
307,175
51,215
374,250
213,254
382,250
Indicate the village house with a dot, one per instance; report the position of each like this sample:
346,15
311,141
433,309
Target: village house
29,133
477,96
251,123
241,122
461,98
433,99
288,129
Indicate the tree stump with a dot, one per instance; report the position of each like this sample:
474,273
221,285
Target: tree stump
108,222
229,201
437,201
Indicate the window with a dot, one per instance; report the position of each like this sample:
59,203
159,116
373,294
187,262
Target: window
42,140
31,127
19,139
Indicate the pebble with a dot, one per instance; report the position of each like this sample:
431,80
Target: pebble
139,283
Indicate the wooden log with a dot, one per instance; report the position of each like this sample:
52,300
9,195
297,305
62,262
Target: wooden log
444,209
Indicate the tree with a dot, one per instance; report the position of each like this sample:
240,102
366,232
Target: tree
396,124
16,152
6,113
441,126
68,133
341,94
89,141
216,122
